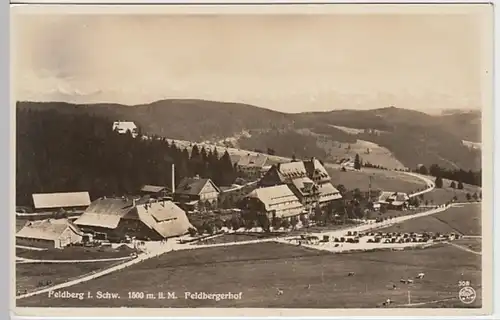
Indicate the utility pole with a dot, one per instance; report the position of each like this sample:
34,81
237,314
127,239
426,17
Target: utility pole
370,187
409,298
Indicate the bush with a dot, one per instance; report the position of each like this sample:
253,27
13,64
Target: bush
285,224
192,232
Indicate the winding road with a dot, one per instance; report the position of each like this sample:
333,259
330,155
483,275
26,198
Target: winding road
155,249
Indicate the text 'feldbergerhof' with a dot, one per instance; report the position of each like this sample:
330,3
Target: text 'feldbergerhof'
212,296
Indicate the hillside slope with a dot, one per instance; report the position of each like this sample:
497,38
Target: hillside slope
412,137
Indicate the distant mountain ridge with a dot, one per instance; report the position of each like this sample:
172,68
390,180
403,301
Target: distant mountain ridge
413,137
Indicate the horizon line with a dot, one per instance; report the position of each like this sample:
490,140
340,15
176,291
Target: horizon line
437,112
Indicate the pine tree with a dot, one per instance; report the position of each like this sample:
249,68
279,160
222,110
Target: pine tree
357,162
439,182
453,185
460,185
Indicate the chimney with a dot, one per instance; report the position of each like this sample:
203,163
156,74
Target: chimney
173,178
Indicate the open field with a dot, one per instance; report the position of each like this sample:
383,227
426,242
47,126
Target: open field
381,179
465,220
308,278
443,195
377,155
29,275
75,253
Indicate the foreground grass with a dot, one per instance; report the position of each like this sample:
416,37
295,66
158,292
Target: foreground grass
74,253
28,276
308,278
465,220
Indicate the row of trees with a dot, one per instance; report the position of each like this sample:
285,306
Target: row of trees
59,152
460,175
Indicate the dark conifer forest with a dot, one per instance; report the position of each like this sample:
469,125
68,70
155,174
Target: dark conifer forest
57,152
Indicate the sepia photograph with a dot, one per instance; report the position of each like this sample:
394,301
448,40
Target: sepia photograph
236,157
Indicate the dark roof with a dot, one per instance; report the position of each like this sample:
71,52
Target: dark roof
316,169
193,186
153,189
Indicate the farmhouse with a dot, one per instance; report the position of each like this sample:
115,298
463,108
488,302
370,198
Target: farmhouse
196,192
124,127
116,219
393,200
67,201
158,192
50,233
277,201
251,165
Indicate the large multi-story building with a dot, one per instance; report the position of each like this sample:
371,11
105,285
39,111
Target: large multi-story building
308,179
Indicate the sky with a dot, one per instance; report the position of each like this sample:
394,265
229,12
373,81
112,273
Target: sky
288,63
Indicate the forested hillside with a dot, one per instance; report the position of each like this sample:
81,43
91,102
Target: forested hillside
58,152
412,137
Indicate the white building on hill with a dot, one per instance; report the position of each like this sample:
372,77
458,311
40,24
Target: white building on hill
123,127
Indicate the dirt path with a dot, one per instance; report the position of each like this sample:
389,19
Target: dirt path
27,260
463,248
154,252
30,248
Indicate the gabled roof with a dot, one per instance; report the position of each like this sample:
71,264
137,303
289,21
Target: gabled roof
276,195
253,160
328,193
50,229
316,169
292,170
153,189
60,200
107,212
161,211
193,186
303,185
165,217
396,198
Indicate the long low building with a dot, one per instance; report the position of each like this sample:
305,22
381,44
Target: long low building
50,233
118,218
77,201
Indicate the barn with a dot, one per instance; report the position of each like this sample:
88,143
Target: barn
67,201
116,219
50,233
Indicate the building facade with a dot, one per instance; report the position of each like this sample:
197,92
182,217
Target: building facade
197,193
308,179
275,202
251,165
49,233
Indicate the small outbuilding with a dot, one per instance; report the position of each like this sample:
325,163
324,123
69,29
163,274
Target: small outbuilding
49,233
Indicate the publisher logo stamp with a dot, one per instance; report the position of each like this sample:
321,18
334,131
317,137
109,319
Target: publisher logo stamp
467,295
